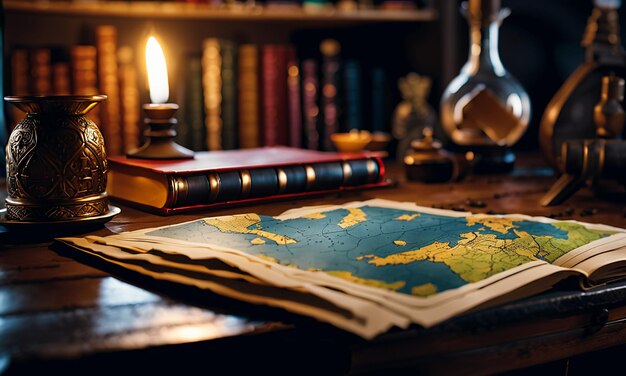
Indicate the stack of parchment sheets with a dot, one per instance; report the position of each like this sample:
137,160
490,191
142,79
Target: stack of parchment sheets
366,267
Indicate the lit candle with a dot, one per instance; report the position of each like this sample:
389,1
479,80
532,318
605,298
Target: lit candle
157,72
159,114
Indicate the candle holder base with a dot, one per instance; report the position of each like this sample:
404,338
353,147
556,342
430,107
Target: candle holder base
160,135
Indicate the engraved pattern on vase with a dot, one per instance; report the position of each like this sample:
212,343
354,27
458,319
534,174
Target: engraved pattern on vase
56,167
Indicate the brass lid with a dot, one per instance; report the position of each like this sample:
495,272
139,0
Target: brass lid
426,150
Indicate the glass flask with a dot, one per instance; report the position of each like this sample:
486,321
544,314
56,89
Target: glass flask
485,109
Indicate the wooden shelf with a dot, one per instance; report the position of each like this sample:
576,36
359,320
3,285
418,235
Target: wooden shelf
174,10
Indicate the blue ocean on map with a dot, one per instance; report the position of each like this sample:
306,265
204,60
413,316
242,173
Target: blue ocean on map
322,244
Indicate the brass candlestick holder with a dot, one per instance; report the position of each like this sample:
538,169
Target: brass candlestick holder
160,134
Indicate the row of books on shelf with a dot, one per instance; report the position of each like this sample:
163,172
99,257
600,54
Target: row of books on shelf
231,95
285,4
101,68
246,95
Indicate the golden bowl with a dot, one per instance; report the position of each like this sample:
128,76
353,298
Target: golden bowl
351,141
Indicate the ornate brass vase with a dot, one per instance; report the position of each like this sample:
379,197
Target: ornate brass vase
56,162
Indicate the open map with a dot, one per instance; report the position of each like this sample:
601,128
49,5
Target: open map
406,251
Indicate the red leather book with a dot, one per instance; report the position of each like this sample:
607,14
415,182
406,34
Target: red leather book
219,178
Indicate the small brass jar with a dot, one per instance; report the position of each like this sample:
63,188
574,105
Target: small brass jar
56,161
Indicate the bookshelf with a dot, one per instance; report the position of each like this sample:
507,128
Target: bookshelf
184,11
386,37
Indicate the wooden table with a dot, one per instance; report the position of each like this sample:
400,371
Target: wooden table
59,315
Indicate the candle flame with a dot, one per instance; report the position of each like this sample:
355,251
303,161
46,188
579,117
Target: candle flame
157,72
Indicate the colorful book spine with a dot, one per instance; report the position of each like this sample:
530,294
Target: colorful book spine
249,130
310,108
61,82
229,94
84,75
20,73
379,122
41,71
293,94
191,129
330,49
352,90
274,98
212,92
106,45
130,103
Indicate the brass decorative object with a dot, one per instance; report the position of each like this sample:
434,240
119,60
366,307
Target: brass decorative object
570,113
56,161
160,135
587,162
413,114
608,114
429,162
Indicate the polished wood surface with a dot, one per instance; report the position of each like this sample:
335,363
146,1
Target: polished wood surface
57,313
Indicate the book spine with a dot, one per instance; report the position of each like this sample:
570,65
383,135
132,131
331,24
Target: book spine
19,82
274,98
84,75
106,46
212,92
229,95
330,79
61,83
41,71
218,187
249,96
19,72
293,93
379,124
310,88
129,99
352,90
191,130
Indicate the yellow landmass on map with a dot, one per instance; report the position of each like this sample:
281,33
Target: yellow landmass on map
478,256
315,216
354,217
577,235
407,217
369,282
257,241
474,258
240,224
424,290
399,243
501,225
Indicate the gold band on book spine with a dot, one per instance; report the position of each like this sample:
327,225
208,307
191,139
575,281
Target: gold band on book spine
246,183
282,180
214,184
347,171
310,176
372,167
179,189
